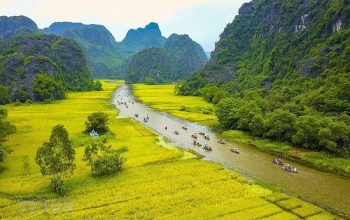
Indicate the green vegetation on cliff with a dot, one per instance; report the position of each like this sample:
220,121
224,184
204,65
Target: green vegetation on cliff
178,58
24,59
285,67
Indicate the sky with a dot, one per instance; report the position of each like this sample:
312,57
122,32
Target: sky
202,20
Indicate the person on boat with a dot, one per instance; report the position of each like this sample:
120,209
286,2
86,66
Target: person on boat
279,160
288,168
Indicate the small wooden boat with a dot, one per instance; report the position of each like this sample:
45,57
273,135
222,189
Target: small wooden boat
222,141
291,170
277,162
207,147
234,150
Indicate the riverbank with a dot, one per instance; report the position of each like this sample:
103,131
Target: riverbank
162,98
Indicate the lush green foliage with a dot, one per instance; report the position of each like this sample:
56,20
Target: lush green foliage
5,129
97,43
97,121
47,88
292,59
102,158
56,157
153,64
25,56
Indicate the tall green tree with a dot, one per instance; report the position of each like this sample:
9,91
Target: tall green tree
56,158
5,129
280,125
4,95
97,121
226,111
103,158
307,128
47,88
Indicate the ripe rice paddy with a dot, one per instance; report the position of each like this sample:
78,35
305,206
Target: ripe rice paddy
156,182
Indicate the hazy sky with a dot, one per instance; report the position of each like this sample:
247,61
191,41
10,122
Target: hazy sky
202,20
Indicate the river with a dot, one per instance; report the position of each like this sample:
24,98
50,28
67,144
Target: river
327,190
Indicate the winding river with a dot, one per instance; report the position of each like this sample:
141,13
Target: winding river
327,190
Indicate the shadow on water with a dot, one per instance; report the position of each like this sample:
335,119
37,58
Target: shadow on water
324,189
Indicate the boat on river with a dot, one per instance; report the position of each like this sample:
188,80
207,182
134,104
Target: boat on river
288,168
234,150
277,161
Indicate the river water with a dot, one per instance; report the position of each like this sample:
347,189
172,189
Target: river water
327,190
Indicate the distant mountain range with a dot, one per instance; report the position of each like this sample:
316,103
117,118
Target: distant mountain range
108,58
74,53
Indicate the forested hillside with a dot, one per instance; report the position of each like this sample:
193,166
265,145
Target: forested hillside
178,58
98,44
10,26
41,67
150,65
281,70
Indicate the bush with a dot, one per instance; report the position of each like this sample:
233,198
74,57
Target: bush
102,158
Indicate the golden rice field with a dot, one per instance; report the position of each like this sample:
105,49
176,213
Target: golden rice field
156,182
196,109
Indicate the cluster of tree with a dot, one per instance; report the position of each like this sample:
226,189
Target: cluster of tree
5,129
294,55
56,156
311,131
103,158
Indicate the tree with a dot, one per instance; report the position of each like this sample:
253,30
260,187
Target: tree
246,113
280,125
56,157
4,95
226,112
98,86
102,158
21,94
335,138
5,129
47,88
307,128
97,121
